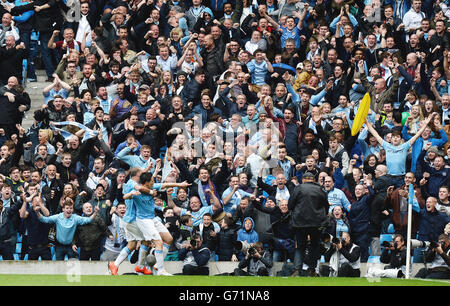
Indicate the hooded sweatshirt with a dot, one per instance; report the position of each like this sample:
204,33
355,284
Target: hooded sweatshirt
250,236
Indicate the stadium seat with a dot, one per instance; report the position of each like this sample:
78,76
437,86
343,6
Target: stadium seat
322,258
18,248
373,259
52,250
385,237
16,256
19,238
391,229
24,72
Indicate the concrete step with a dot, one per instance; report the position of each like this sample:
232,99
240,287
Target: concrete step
34,90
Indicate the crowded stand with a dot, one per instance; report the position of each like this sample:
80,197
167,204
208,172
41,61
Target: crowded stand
202,131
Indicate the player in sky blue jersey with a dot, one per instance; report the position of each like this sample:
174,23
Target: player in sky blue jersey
132,233
152,229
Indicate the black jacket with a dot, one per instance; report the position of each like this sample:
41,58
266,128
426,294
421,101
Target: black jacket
272,189
191,92
11,63
395,258
281,227
309,205
88,236
351,256
227,238
44,20
9,216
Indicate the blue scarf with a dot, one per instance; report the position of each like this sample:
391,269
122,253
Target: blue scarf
88,133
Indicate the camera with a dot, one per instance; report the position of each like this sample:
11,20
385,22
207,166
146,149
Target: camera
434,245
193,243
336,240
252,251
117,245
387,244
422,244
242,246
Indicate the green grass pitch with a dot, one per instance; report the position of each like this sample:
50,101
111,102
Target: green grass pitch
138,280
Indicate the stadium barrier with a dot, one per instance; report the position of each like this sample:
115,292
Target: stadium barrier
76,267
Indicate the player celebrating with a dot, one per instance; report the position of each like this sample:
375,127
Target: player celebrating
152,229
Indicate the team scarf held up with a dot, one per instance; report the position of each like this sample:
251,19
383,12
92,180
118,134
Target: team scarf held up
88,133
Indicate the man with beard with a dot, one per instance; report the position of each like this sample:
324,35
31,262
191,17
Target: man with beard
102,97
120,105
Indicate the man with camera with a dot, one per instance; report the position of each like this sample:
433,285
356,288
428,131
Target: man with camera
394,254
257,261
344,258
439,256
195,256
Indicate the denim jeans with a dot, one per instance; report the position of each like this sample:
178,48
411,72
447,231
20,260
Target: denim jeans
31,45
397,181
62,250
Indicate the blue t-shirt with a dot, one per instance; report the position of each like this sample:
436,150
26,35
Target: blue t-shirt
294,34
396,157
145,204
65,227
130,213
52,93
258,71
198,215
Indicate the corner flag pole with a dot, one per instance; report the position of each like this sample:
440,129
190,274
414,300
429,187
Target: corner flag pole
408,240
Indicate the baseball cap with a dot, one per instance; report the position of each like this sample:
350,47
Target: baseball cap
433,149
308,175
39,156
144,87
272,198
99,108
299,66
139,124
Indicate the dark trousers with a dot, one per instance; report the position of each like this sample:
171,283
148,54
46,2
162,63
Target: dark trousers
301,237
345,270
363,241
32,47
193,270
261,272
25,247
35,252
46,53
428,273
92,254
7,250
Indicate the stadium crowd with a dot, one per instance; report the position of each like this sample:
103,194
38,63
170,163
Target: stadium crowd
228,105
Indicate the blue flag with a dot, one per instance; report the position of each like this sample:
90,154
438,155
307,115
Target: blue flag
411,194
